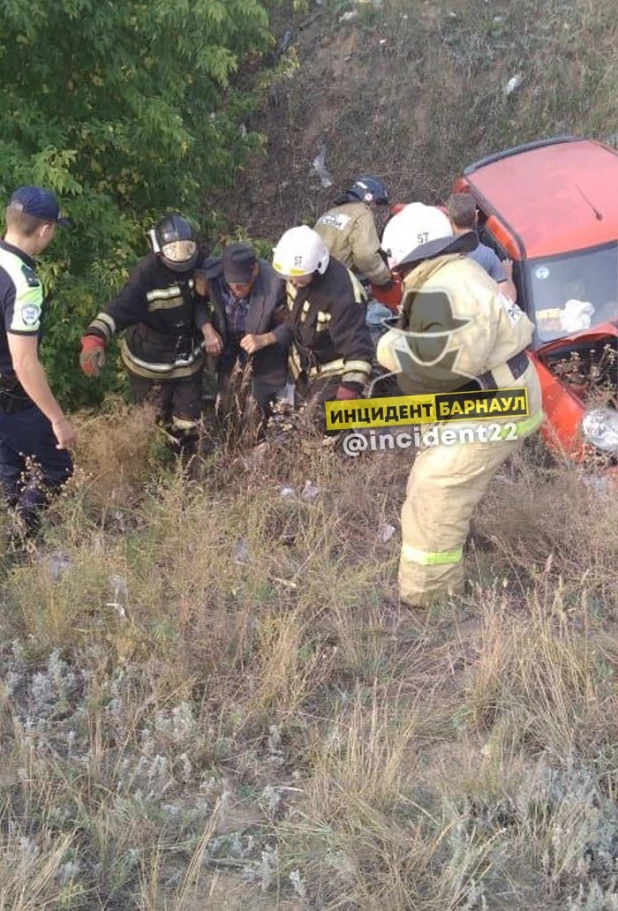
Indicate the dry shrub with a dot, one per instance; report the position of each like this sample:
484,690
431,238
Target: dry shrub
232,634
116,452
543,677
32,868
231,638
365,757
555,523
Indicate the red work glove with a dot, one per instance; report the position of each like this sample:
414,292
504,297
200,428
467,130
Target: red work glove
92,357
344,393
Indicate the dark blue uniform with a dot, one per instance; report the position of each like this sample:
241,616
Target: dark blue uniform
26,435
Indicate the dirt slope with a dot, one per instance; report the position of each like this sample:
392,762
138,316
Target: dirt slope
412,91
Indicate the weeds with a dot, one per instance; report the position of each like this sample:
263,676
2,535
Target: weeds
218,688
206,700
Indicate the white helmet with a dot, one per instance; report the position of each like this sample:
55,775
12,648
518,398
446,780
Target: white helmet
416,232
300,251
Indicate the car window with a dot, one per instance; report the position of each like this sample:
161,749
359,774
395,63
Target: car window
573,292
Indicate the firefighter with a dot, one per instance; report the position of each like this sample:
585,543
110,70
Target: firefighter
331,351
455,331
32,424
162,348
349,231
247,310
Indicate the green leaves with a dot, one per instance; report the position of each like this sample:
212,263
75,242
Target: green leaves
126,110
52,168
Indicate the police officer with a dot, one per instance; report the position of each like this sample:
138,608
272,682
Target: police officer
247,309
162,349
35,435
331,353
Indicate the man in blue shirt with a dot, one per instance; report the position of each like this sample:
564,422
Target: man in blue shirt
462,211
35,435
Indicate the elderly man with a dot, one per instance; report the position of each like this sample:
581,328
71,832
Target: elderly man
243,325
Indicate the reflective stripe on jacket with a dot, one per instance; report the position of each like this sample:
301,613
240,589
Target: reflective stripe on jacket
157,307
327,319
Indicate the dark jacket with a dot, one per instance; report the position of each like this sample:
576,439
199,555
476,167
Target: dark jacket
158,307
266,313
327,319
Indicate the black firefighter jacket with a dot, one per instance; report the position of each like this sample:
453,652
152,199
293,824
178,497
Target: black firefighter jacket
158,308
327,319
265,313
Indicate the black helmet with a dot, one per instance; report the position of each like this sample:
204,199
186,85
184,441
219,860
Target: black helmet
175,242
369,189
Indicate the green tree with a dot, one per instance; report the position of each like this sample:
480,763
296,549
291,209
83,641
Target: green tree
125,109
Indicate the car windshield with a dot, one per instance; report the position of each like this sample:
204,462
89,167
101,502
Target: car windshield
573,292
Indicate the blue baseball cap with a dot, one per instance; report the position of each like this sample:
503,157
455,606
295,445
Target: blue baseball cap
39,203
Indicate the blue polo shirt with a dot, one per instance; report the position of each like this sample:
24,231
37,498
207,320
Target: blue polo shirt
21,301
489,260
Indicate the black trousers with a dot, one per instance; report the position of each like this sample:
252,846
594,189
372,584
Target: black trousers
178,401
26,436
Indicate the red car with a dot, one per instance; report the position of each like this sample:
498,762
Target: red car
551,207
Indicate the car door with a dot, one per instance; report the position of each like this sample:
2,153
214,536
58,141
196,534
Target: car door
494,234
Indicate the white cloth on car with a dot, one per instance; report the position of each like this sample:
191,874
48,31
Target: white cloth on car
576,316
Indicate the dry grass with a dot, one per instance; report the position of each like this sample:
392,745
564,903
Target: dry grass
215,687
559,528
206,702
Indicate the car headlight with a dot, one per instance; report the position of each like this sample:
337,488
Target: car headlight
600,427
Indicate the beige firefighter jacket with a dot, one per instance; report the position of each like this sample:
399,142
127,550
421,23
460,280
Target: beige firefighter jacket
456,325
350,234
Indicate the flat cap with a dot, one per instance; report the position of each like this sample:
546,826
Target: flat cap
238,263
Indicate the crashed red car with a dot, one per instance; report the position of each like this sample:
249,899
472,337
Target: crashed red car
551,207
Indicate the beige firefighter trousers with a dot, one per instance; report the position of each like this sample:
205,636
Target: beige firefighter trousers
445,485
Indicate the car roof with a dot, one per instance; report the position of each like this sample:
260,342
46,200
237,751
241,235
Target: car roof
550,193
